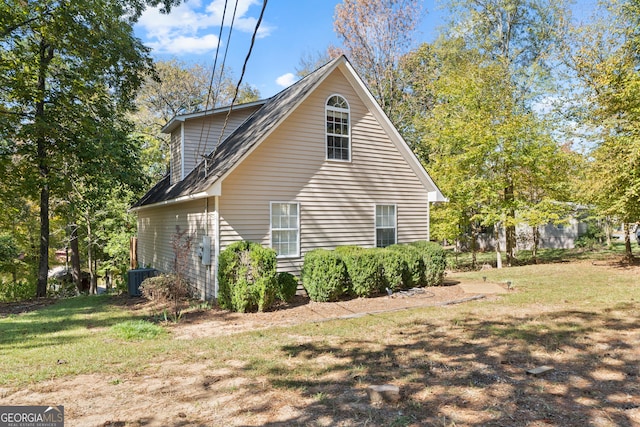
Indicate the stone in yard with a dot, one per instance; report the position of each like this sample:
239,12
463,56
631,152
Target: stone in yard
539,370
383,393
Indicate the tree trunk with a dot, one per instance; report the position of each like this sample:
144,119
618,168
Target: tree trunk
107,280
607,231
45,57
93,284
510,230
76,271
536,242
627,243
474,245
496,233
43,266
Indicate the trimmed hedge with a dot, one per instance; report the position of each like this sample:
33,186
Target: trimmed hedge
435,261
366,272
412,256
247,277
395,271
324,275
287,286
364,268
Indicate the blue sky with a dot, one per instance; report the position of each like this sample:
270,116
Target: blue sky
289,30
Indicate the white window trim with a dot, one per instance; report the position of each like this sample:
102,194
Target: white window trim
297,254
375,226
326,134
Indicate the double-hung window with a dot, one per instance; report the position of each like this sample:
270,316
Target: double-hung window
386,225
285,229
338,137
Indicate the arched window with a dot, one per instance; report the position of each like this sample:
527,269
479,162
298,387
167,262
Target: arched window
338,132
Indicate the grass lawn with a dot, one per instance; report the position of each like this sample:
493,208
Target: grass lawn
458,365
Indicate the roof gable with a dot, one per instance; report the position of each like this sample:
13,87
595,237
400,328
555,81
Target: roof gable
205,179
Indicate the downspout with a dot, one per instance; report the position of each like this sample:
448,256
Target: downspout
206,233
181,151
216,244
428,221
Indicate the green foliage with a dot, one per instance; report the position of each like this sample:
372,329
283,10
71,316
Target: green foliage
435,261
8,249
479,137
366,272
70,71
604,57
247,277
593,237
414,260
364,268
135,330
287,286
17,291
324,275
395,272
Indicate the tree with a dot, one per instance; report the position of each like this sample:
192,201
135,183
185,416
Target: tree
491,156
177,88
520,36
70,71
604,56
375,35
309,62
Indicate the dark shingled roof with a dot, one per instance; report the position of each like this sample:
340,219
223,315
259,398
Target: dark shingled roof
237,144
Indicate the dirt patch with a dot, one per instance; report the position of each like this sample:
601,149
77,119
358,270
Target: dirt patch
215,322
10,308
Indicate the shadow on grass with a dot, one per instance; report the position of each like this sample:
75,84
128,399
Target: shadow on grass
472,372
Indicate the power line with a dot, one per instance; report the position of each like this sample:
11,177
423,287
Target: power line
244,67
221,74
213,71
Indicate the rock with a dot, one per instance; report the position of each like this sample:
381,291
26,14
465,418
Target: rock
383,393
539,370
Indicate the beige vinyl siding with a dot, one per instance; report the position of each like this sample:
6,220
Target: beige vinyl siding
337,198
156,229
176,157
202,135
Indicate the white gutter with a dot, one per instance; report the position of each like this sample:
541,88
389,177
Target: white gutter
214,190
436,196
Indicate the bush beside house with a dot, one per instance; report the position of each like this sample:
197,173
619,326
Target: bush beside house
366,272
324,275
247,277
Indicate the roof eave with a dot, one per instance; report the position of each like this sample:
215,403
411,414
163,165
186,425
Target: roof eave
173,123
214,190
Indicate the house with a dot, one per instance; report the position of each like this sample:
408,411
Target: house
561,235
318,165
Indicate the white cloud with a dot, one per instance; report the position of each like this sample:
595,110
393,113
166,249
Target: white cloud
190,27
182,44
286,80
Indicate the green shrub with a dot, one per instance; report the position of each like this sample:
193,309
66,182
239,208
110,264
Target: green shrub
435,261
287,286
17,291
247,277
395,273
413,257
364,270
324,275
